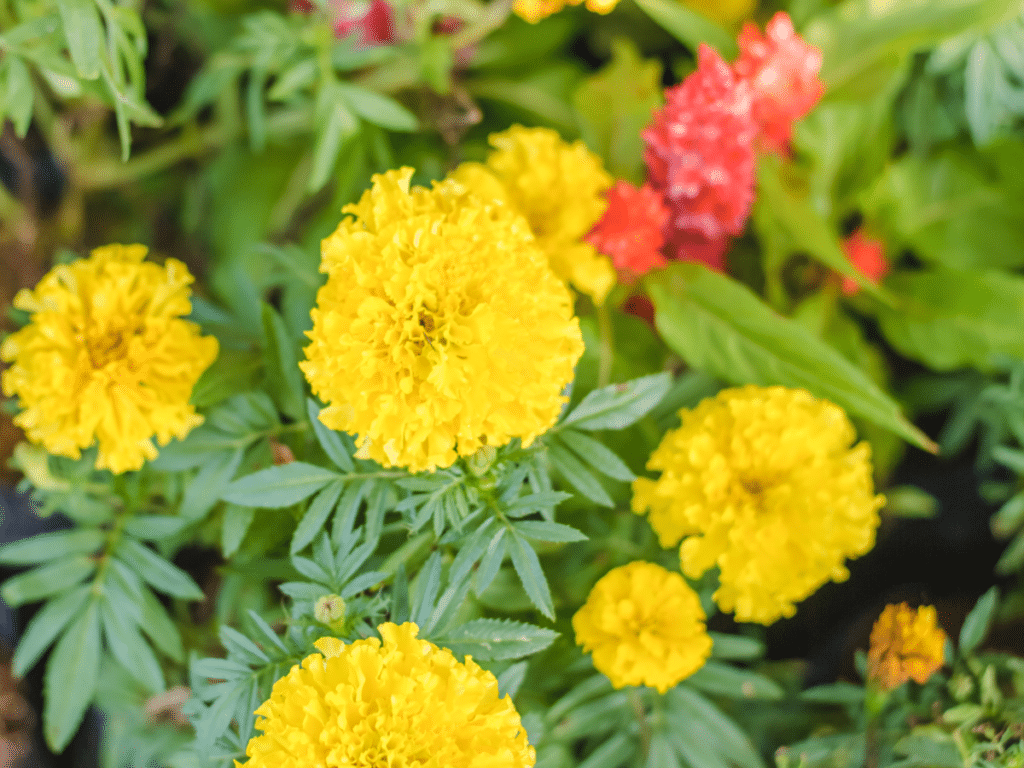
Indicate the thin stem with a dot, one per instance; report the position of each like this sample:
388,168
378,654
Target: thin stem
606,353
645,726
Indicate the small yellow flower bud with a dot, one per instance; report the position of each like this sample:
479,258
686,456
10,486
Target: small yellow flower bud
330,611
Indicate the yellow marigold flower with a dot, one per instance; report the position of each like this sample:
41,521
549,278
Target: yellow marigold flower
106,357
535,10
405,704
763,483
644,626
559,188
905,644
441,328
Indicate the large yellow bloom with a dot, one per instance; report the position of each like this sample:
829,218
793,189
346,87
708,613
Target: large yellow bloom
763,483
535,10
441,328
403,704
644,626
559,188
106,357
905,644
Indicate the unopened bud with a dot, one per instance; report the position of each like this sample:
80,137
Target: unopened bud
482,460
330,610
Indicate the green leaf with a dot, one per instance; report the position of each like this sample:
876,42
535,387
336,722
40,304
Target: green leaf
724,680
50,546
205,489
577,475
237,521
687,709
618,405
542,530
615,751
45,626
400,596
159,628
128,647
154,570
283,373
296,78
735,647
329,440
841,693
471,550
596,455
527,566
377,108
316,515
19,96
978,621
490,639
280,486
689,27
242,647
721,327
72,675
84,33
154,527
491,561
46,580
951,319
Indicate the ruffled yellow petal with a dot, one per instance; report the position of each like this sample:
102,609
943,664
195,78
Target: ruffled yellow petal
906,644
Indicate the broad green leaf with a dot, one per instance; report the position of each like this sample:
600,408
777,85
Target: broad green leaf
316,515
156,571
72,674
128,647
46,580
488,639
530,573
45,626
51,546
577,475
17,101
329,440
83,31
978,621
951,319
724,680
377,108
596,454
237,521
689,27
283,371
542,530
280,486
735,647
718,325
618,405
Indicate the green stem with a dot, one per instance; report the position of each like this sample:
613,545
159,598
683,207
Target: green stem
606,353
645,726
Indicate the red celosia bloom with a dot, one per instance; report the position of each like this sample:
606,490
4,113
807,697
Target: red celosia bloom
373,20
687,245
640,306
868,256
782,72
699,150
631,231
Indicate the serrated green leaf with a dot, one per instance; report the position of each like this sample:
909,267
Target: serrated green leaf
978,621
536,502
491,561
128,647
577,475
156,571
45,626
596,454
311,570
530,573
720,326
83,31
511,680
490,639
316,515
542,530
241,646
280,486
217,717
50,546
724,680
472,550
361,583
72,675
46,580
237,521
447,607
618,405
329,439
220,669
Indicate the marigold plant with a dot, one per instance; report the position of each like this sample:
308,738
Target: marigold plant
763,483
906,644
106,357
441,328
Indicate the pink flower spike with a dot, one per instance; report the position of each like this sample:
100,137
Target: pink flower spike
781,69
374,21
631,231
868,256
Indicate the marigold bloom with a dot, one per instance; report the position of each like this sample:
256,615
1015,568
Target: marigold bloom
644,626
868,256
106,357
763,483
781,69
402,703
441,327
535,10
631,231
699,150
906,644
559,188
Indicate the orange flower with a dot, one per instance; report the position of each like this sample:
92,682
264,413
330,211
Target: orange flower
906,644
631,230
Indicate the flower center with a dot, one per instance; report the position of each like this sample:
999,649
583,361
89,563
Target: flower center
108,346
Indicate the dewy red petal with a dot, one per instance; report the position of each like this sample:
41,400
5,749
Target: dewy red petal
781,69
374,21
868,256
631,231
699,150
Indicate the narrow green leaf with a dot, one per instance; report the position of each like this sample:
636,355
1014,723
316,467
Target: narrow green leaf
614,752
689,27
428,584
491,561
72,675
596,454
536,502
46,580
338,125
735,647
400,596
511,680
237,521
287,382
241,646
490,639
377,108
528,567
619,405
45,626
577,475
83,31
128,647
19,96
978,621
841,693
156,571
688,709
313,520
542,530
204,490
472,550
159,628
50,546
329,439
218,717
280,486
154,527
723,680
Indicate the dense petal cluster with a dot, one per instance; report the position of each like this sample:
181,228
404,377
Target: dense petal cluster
763,483
405,704
440,329
559,188
106,357
372,20
781,69
631,231
868,256
535,10
644,626
699,150
906,644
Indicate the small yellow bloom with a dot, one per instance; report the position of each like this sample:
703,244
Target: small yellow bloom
441,328
905,645
405,703
559,188
644,625
763,483
106,357
535,10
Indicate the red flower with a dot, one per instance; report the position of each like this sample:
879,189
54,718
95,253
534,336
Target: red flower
373,20
687,245
781,69
640,306
868,256
631,231
699,151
